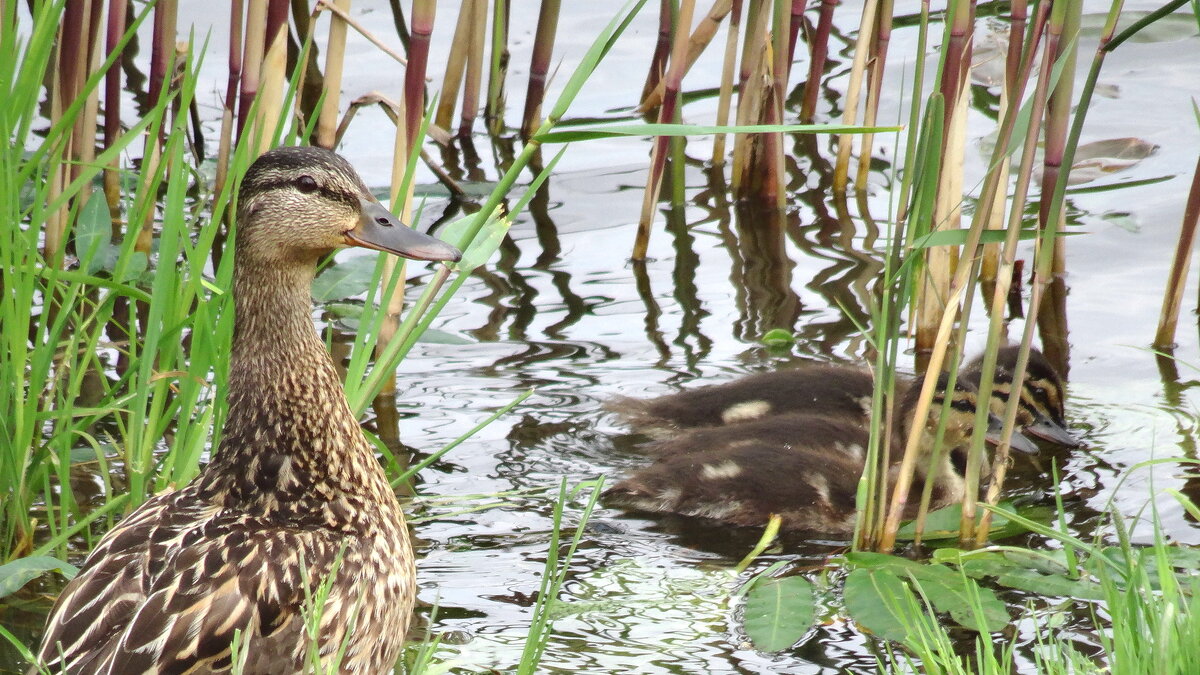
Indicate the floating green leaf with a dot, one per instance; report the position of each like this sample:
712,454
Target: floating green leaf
881,603
14,575
778,612
949,590
778,337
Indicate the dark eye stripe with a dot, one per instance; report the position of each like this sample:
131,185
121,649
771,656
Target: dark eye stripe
327,191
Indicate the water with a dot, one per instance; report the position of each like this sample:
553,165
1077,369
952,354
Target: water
564,312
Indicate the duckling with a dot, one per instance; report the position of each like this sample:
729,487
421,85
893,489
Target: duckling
293,498
839,390
802,466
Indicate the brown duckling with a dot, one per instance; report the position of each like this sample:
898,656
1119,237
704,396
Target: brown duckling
293,498
801,466
839,390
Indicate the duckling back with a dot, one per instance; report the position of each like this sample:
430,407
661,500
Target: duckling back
745,480
819,390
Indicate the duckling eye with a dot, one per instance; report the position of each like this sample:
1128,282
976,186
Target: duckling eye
307,184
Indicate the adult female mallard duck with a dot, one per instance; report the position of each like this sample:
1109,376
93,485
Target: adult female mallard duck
804,467
293,497
840,390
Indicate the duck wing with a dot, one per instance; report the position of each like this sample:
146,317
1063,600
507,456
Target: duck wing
171,584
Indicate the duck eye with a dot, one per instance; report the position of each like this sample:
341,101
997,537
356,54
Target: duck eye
306,184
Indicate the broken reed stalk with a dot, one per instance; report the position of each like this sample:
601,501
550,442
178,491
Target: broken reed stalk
666,114
1017,20
794,26
769,158
112,112
727,69
1058,114
335,58
750,88
161,56
875,73
853,89
229,107
539,66
413,100
252,58
455,64
1173,297
819,51
662,49
498,70
371,37
701,36
470,105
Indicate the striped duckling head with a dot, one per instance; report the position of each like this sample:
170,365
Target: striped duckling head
1041,411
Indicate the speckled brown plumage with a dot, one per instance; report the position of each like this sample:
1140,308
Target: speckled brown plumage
293,497
801,466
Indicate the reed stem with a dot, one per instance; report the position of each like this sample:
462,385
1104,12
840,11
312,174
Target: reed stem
539,66
666,114
335,56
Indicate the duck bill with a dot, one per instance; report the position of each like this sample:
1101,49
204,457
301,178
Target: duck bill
1049,430
1018,441
378,229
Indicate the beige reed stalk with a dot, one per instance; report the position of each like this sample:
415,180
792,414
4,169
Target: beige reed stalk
252,58
853,89
273,77
940,261
474,76
727,70
751,76
335,57
455,64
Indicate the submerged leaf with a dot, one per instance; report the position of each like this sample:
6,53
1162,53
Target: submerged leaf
1100,158
778,612
943,524
346,279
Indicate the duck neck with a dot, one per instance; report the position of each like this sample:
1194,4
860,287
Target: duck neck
290,438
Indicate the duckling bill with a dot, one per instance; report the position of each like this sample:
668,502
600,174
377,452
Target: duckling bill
293,498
